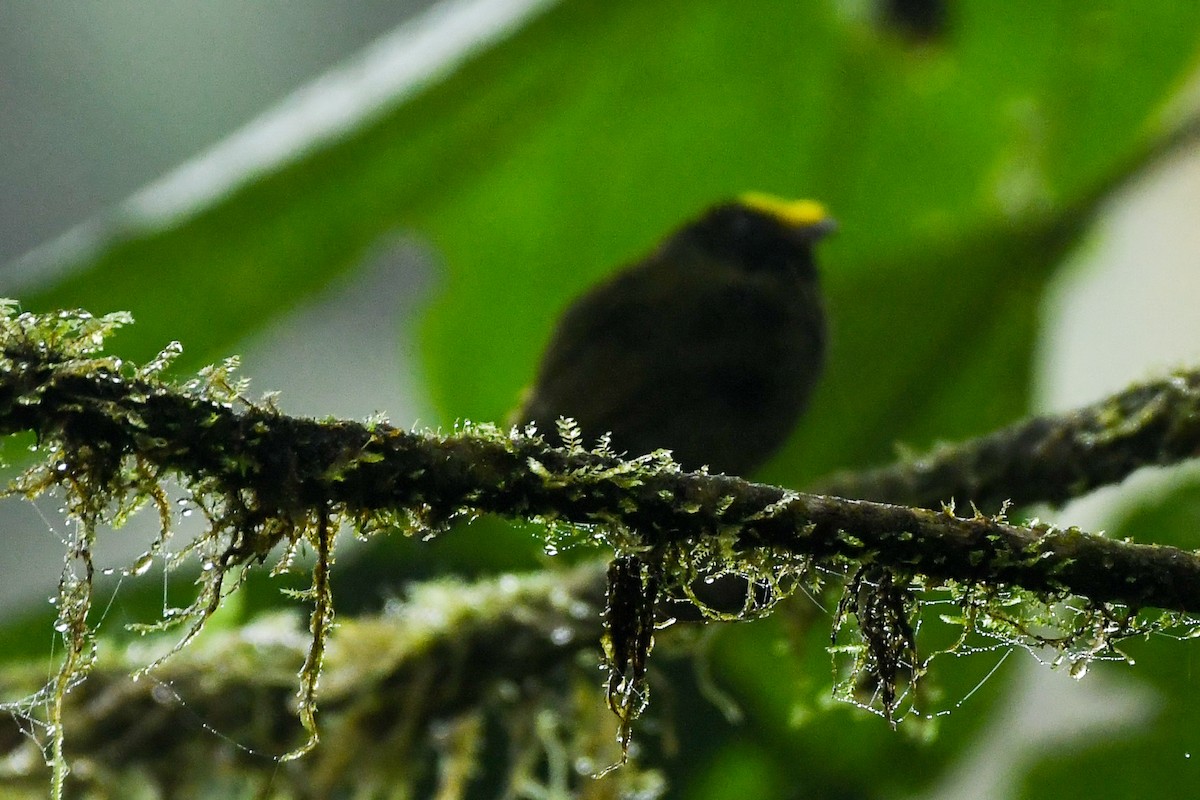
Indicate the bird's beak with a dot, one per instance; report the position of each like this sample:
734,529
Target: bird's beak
818,230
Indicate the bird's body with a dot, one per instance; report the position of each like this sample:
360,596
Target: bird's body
710,347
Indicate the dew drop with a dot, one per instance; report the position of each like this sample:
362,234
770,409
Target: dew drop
562,635
143,564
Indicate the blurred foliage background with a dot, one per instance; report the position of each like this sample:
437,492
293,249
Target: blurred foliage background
965,163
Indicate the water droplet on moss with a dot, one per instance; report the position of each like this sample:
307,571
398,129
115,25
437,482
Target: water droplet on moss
143,564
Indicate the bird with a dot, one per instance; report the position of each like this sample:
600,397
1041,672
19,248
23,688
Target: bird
709,346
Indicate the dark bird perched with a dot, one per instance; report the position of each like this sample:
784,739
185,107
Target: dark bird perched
708,347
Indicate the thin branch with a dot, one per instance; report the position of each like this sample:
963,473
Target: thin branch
1046,459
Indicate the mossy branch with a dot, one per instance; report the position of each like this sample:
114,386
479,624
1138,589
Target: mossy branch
279,466
1049,459
110,432
387,678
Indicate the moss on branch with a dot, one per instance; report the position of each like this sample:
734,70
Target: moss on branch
272,467
1047,459
110,433
217,715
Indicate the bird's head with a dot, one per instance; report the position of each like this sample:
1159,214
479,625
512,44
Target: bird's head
761,232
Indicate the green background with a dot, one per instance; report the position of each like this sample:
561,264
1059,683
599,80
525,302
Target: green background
963,170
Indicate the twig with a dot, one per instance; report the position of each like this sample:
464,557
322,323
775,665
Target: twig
1046,459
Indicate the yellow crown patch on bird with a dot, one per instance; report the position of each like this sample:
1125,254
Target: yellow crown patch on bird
797,213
